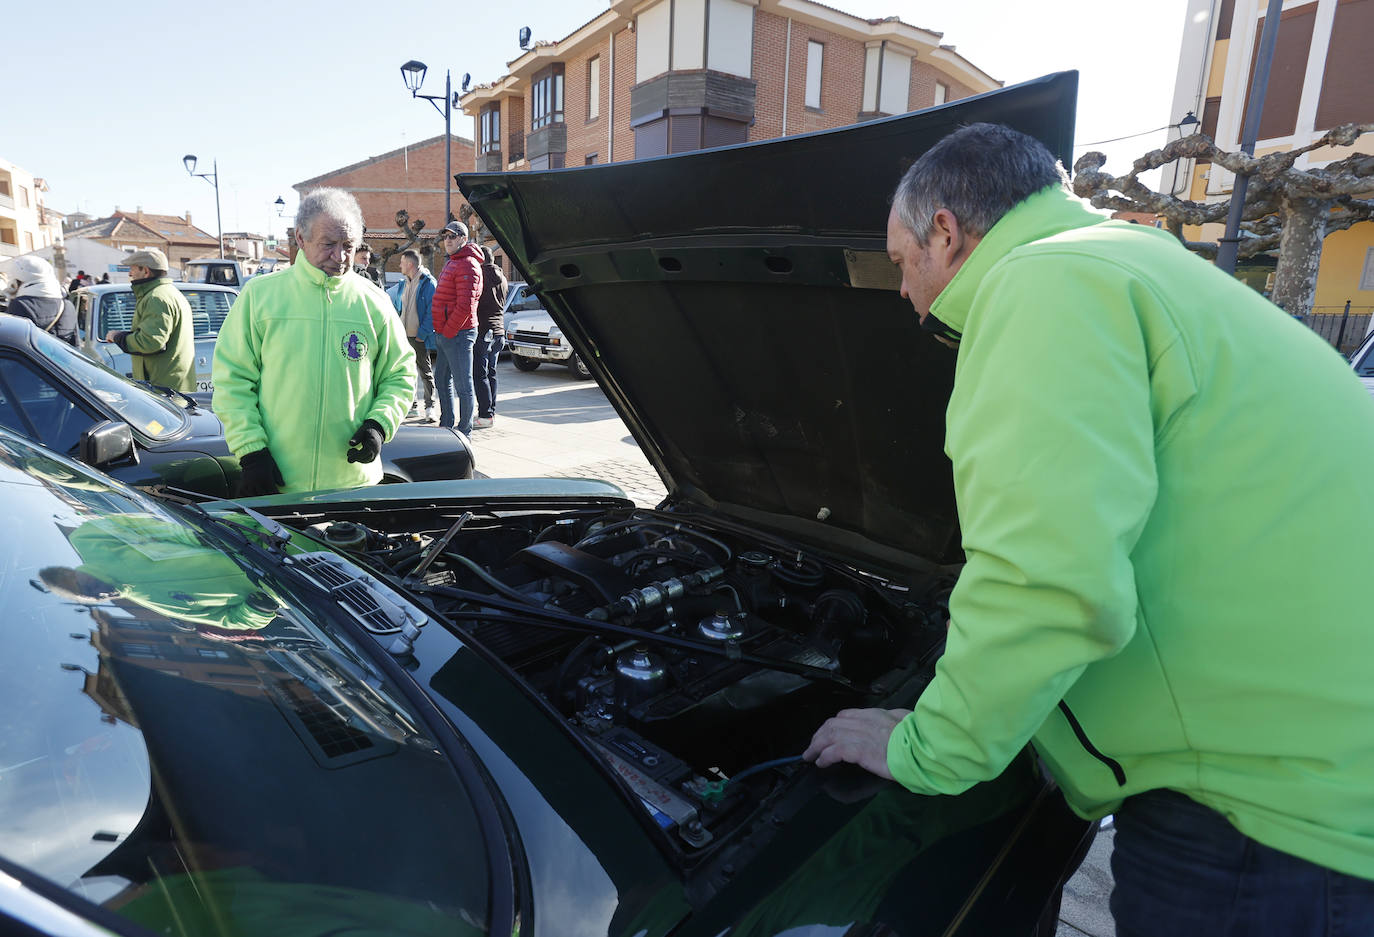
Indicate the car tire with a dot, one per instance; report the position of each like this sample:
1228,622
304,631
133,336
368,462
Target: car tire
524,364
579,367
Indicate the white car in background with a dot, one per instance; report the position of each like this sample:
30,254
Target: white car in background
1363,361
532,338
109,307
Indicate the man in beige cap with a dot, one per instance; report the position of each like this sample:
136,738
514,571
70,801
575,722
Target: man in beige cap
162,339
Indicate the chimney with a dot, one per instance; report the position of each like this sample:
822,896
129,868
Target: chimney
188,217
138,212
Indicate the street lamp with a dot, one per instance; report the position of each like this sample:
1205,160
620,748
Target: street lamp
211,177
413,73
281,207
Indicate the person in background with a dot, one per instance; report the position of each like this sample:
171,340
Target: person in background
312,368
491,336
38,297
78,281
161,338
413,300
455,320
1143,449
362,264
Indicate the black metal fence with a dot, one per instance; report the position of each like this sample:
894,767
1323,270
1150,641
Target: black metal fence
1343,326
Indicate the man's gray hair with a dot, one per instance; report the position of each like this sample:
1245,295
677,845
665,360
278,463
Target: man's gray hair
979,173
330,203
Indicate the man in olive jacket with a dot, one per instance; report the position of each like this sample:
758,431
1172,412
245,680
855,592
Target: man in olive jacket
162,339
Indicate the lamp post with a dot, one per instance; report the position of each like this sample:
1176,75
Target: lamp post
1228,245
211,177
413,73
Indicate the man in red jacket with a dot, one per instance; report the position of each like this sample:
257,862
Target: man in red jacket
454,310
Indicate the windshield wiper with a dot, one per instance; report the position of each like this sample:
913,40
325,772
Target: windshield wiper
172,392
274,535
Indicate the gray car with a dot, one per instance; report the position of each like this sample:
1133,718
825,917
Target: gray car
109,307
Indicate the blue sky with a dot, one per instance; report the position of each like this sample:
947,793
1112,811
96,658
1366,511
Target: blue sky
104,104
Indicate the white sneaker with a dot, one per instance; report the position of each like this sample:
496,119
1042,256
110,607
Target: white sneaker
482,422
429,415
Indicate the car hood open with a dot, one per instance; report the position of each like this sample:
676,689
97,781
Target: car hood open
738,307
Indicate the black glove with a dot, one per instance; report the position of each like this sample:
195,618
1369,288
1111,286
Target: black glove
260,474
366,443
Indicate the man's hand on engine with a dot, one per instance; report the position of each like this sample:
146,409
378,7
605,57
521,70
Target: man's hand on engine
856,736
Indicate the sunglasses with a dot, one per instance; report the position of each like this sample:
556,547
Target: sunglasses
450,234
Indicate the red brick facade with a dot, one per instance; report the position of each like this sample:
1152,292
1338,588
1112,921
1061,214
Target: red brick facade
779,56
410,178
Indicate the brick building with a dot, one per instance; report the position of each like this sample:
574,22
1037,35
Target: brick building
678,75
410,178
670,76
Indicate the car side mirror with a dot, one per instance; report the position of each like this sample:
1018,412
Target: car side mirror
107,443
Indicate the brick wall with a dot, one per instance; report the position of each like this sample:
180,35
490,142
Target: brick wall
412,180
841,78
585,137
923,79
624,80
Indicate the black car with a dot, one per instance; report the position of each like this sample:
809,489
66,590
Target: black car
527,706
150,435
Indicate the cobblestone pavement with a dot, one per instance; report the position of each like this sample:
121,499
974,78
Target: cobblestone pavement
550,423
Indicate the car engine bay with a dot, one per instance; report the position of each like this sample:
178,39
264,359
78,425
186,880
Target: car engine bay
693,656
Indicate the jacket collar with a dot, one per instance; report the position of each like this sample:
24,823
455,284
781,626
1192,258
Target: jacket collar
144,287
314,274
1048,212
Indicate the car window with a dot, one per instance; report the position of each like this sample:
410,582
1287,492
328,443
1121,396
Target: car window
147,413
208,309
523,300
33,400
116,312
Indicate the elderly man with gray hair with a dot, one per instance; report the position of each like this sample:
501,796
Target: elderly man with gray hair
312,368
1163,493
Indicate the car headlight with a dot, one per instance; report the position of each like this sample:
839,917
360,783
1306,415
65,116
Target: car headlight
555,336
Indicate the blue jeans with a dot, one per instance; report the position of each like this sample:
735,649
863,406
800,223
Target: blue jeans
453,376
484,353
1183,870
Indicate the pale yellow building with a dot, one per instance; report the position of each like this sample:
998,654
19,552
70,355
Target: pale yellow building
1320,78
25,225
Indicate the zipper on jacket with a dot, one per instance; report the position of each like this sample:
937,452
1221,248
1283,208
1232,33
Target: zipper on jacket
1117,771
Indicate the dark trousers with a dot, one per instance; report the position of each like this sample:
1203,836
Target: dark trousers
488,346
1183,870
424,372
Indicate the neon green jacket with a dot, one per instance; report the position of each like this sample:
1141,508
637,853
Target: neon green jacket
301,361
162,341
1163,487
166,568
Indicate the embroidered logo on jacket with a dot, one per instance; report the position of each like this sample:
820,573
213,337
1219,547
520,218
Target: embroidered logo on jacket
353,347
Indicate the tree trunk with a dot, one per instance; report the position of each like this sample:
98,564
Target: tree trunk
1300,253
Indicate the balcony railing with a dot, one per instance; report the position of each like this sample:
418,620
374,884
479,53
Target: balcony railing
7,201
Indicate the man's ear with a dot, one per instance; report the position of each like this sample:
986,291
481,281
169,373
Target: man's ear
948,239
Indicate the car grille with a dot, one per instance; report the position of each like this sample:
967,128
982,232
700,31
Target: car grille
378,607
533,338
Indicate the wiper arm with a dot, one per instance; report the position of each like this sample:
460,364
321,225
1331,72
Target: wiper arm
172,392
273,534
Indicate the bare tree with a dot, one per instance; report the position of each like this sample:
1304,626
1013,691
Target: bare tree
1290,209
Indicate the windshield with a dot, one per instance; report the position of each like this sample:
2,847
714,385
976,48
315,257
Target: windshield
147,413
190,744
